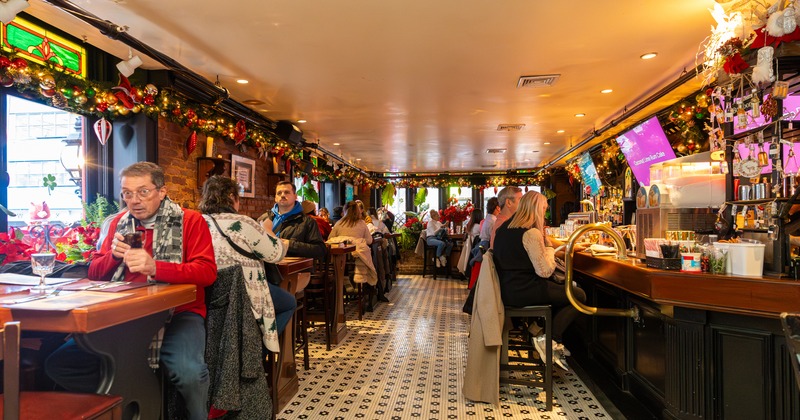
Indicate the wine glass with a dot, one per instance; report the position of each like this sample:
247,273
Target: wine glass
42,264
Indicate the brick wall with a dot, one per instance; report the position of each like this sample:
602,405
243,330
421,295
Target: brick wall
181,169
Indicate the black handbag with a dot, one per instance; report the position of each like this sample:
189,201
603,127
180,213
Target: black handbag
271,270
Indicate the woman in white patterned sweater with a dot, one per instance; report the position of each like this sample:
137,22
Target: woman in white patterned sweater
271,305
525,259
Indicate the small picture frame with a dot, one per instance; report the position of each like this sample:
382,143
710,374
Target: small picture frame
243,170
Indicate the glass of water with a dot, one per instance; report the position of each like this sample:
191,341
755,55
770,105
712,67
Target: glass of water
42,264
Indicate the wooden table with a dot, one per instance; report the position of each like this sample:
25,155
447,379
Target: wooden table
120,331
338,259
287,382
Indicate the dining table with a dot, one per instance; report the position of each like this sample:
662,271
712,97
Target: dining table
117,323
286,383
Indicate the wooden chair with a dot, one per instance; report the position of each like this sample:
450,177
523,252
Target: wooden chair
320,296
519,342
46,405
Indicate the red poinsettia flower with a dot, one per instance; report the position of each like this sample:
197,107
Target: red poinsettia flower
735,64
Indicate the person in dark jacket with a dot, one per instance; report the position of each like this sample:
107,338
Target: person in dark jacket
289,222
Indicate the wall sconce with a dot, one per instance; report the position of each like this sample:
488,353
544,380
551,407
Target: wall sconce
127,67
10,8
72,156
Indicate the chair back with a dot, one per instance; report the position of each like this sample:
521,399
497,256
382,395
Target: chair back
791,329
10,355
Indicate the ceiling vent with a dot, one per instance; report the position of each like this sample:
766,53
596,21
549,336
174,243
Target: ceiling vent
499,150
543,80
494,165
510,127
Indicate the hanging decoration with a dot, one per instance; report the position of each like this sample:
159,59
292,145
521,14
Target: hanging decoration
50,84
103,130
191,143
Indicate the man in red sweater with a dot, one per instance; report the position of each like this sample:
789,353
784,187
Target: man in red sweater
174,247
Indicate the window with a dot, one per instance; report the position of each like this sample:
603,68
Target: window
43,141
462,194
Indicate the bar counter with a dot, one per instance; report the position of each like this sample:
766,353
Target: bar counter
707,346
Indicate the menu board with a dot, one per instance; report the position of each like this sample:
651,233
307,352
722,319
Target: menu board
643,146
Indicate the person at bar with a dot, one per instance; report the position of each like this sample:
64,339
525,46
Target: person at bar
525,261
324,226
272,306
325,215
176,247
289,222
508,200
492,210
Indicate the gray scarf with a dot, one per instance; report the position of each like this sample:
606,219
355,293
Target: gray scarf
167,234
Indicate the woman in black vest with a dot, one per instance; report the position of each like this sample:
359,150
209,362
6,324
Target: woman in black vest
525,261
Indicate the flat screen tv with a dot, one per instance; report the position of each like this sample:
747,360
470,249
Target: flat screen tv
348,193
591,180
643,146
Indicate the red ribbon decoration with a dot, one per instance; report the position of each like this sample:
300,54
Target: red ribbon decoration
126,93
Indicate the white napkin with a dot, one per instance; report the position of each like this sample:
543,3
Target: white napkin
602,250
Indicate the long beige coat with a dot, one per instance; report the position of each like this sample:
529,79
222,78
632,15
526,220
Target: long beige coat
482,375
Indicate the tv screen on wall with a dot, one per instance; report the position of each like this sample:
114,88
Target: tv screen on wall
591,180
348,193
643,146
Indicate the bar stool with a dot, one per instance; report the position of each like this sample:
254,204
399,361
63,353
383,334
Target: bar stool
320,298
430,258
520,343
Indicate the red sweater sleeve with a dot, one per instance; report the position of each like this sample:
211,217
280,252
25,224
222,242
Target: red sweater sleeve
104,264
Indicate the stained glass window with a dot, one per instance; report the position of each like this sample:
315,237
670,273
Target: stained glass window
37,44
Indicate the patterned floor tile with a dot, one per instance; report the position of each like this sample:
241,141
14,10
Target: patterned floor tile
406,360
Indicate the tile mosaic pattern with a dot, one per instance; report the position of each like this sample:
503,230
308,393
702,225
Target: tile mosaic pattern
406,361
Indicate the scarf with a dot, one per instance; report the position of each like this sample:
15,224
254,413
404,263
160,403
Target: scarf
167,234
280,218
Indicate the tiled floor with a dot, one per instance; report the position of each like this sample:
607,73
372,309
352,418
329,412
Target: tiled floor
406,361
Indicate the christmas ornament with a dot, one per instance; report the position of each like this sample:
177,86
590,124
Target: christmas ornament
103,130
48,93
240,132
151,90
80,99
762,72
191,143
47,81
125,93
59,100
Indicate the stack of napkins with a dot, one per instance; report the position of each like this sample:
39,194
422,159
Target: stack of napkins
602,250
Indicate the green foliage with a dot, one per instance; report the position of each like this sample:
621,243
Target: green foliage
408,239
307,192
49,181
422,194
387,196
97,211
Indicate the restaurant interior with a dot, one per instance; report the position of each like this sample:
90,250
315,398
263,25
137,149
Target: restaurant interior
662,135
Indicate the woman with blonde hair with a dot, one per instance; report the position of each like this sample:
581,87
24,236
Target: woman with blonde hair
525,261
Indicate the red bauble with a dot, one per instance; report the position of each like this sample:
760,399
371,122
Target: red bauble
4,62
149,100
6,81
19,63
102,106
191,143
48,93
176,112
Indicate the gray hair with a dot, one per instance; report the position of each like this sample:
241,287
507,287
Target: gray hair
506,193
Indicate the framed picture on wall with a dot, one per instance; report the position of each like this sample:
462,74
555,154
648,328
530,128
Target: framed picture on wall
243,170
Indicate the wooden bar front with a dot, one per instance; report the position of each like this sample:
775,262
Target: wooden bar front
707,346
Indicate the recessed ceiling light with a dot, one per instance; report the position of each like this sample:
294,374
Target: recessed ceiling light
301,121
648,55
606,90
242,81
358,159
496,150
546,143
560,131
336,144
580,115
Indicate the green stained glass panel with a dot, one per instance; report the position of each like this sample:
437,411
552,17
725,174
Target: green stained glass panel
34,43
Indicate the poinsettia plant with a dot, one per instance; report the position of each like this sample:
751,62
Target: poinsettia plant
79,244
456,213
13,247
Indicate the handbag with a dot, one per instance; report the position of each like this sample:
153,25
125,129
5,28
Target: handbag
271,270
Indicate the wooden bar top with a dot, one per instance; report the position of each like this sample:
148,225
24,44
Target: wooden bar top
291,265
336,249
759,296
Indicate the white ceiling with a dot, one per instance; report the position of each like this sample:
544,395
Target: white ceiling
420,85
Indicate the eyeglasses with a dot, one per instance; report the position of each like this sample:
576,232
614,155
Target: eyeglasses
141,193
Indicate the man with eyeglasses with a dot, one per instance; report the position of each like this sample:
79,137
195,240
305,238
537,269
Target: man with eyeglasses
176,247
